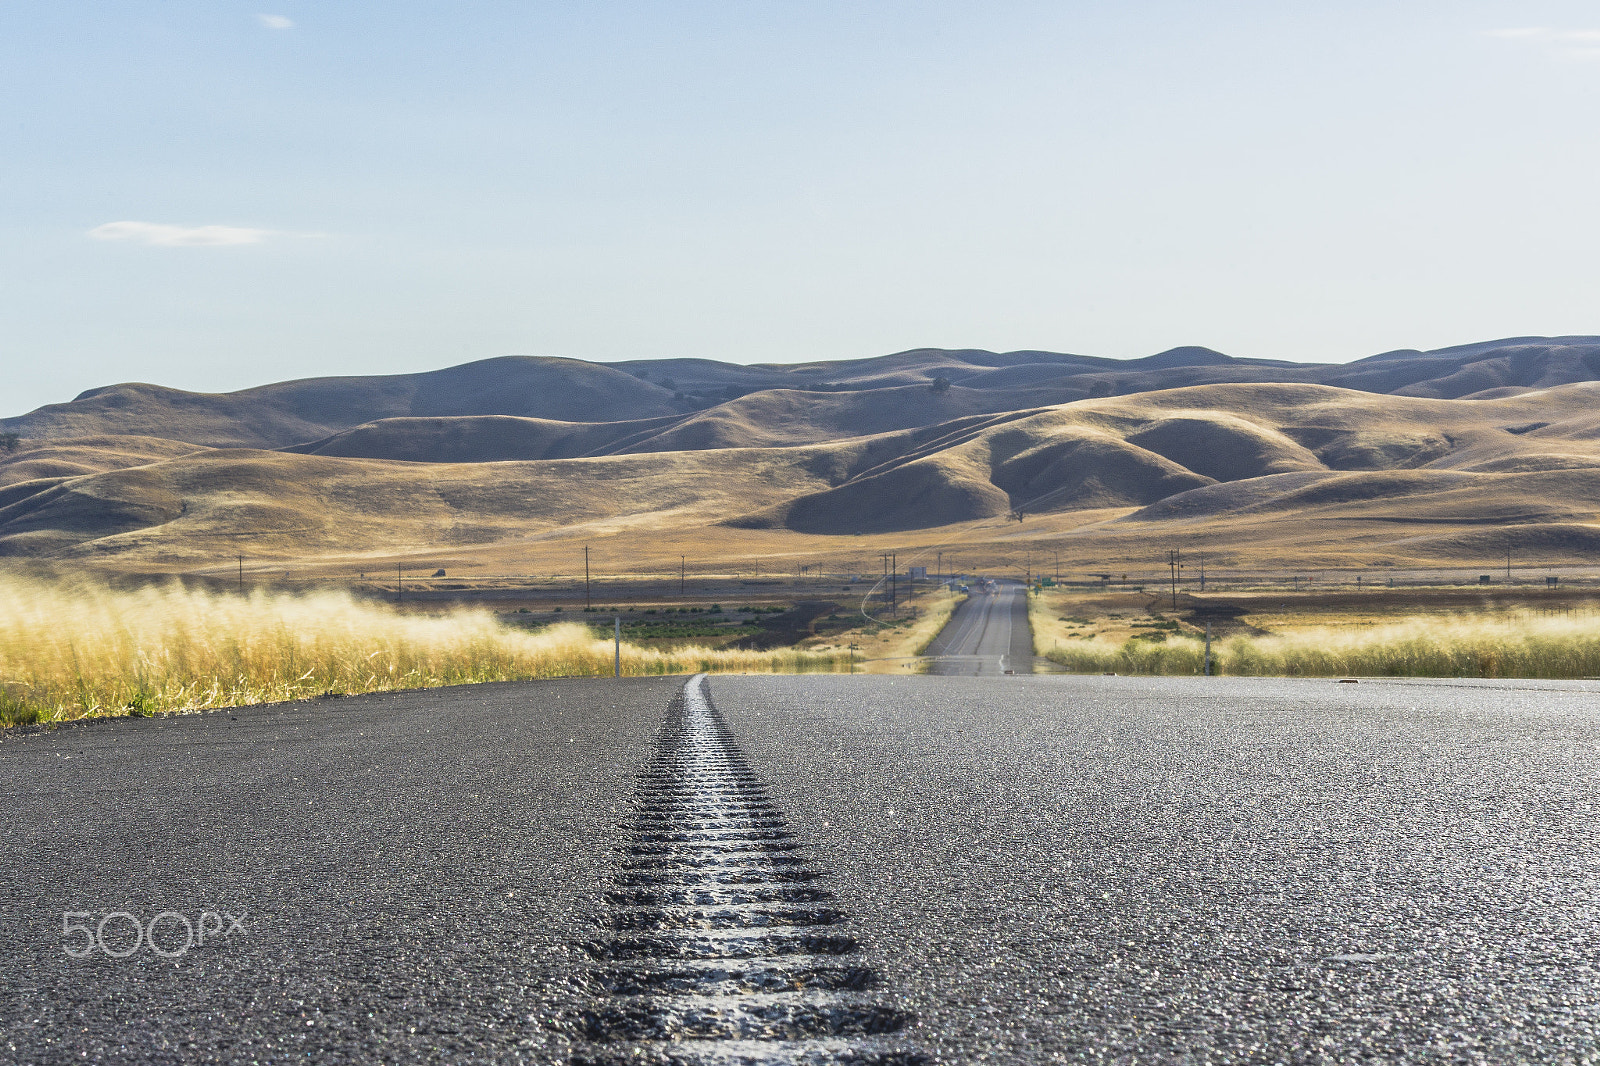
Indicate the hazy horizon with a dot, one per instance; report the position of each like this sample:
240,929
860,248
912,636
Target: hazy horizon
625,361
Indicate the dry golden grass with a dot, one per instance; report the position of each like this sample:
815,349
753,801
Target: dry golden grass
884,648
76,650
1068,617
77,456
940,606
1516,644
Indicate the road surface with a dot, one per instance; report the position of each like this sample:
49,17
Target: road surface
813,869
988,635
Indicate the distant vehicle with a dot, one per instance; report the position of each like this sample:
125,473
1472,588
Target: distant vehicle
966,588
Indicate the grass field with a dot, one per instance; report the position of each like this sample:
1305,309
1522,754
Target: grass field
1311,637
886,644
75,650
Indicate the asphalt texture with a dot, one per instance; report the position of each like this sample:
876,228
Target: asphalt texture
1113,870
988,635
1009,870
412,870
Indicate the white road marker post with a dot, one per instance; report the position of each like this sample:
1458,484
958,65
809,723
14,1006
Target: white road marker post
619,646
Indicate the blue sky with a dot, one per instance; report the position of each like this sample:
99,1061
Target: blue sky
213,195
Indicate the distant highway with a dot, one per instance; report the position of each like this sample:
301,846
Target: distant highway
988,635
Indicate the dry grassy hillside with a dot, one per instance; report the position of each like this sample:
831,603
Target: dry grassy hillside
1178,449
229,500
483,439
75,456
295,412
764,419
511,463
569,390
780,418
1286,469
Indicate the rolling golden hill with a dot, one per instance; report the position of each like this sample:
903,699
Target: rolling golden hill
454,469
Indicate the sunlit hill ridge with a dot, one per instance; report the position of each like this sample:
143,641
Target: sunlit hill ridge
507,464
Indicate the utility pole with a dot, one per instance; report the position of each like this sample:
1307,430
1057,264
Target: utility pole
1174,561
938,566
894,584
1203,572
586,603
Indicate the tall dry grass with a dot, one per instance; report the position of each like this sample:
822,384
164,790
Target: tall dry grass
882,648
73,650
1443,646
934,618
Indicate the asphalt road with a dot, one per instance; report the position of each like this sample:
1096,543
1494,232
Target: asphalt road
820,869
988,635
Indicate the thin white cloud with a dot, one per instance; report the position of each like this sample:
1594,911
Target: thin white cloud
1573,44
276,22
166,236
